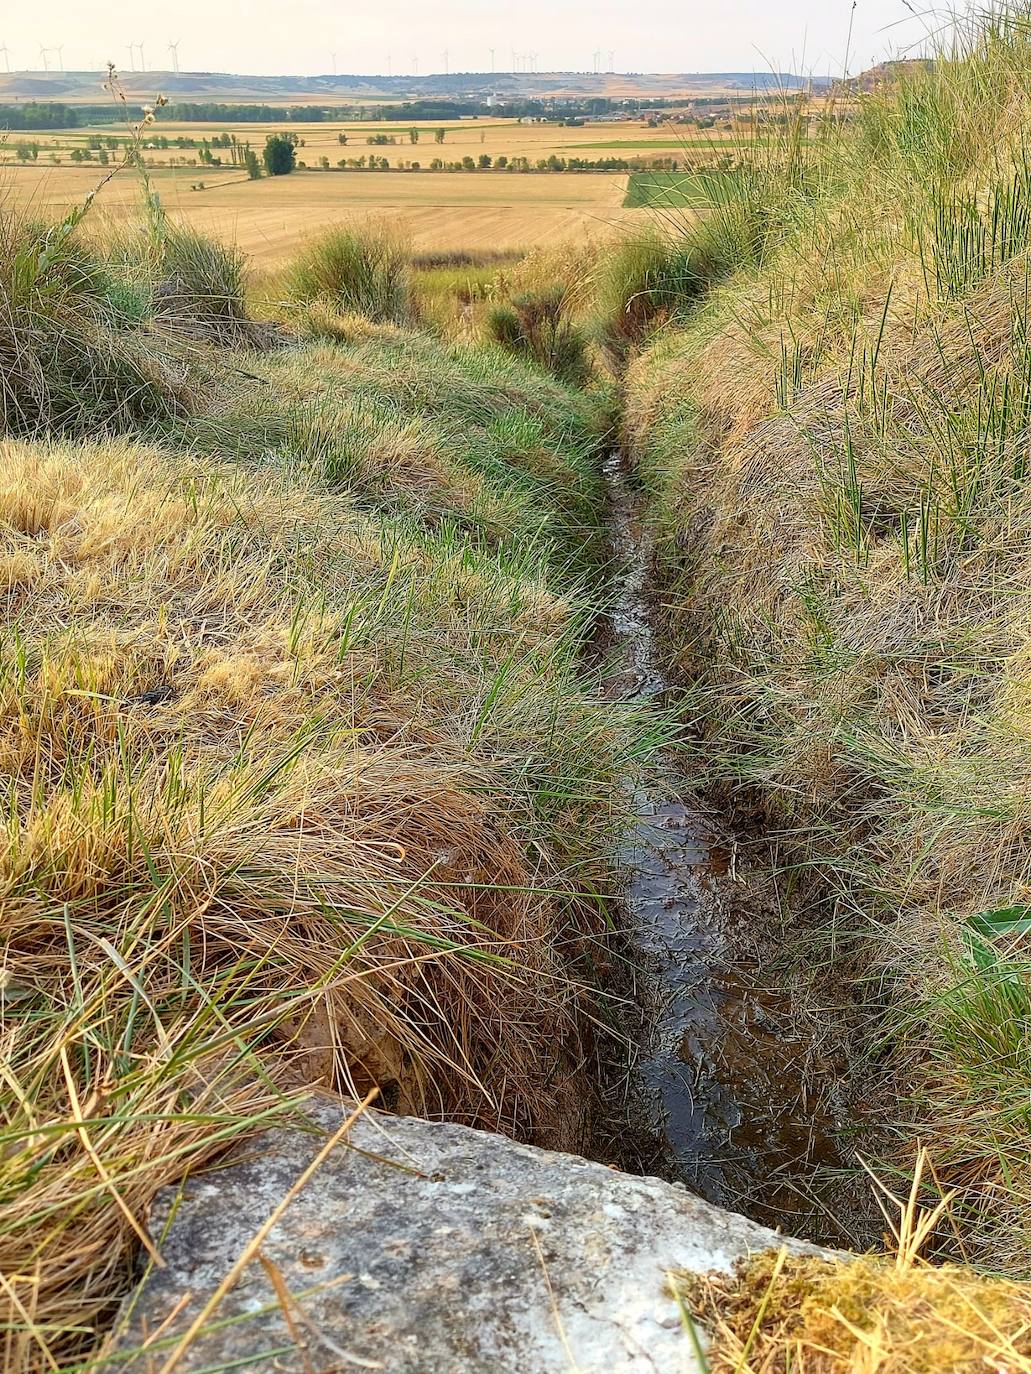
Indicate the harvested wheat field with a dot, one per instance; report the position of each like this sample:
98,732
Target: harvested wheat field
433,211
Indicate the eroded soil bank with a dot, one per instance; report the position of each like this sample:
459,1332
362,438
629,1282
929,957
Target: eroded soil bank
731,1082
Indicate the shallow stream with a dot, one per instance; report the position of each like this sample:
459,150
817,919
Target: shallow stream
723,1090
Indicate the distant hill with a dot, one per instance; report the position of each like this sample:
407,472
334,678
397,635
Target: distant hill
86,87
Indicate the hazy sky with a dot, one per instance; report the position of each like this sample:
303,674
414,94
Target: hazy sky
298,36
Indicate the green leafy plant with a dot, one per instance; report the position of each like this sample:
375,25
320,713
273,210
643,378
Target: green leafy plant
280,154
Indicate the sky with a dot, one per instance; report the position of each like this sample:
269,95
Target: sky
299,37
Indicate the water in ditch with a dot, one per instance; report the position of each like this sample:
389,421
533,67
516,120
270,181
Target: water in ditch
724,1087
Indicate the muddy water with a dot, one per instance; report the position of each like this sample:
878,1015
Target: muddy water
722,1091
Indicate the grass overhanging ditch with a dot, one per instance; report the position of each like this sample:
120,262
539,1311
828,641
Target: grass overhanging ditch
833,433
304,782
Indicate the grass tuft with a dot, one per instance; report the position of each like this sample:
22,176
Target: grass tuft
355,271
72,356
539,326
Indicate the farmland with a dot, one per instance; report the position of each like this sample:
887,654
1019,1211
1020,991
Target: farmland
436,211
668,191
267,218
496,137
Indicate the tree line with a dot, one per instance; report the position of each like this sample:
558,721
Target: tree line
53,114
280,159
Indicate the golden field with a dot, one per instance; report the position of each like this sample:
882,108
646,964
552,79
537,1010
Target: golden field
496,137
496,210
268,218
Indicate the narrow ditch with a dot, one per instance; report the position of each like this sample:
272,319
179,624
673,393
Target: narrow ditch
727,1086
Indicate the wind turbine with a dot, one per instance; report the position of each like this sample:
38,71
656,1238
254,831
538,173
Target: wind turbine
612,59
60,56
7,60
43,54
390,64
173,49
492,61
333,56
132,56
143,65
447,54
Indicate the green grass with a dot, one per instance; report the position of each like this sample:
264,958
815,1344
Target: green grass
304,782
835,438
669,190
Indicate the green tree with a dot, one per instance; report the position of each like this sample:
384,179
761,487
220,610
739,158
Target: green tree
439,135
413,135
484,161
253,164
280,154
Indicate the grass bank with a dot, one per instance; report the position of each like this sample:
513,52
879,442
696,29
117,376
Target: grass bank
302,781
835,439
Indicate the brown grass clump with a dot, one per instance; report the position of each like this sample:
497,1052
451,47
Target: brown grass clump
262,829
780,1314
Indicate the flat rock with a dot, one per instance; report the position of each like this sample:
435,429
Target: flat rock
426,1247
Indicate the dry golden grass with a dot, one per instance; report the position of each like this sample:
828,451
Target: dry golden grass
242,851
837,442
781,1313
790,1315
